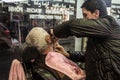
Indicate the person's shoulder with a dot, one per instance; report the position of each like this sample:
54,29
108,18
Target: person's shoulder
109,19
109,16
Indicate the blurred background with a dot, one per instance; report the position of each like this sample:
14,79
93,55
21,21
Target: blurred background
20,16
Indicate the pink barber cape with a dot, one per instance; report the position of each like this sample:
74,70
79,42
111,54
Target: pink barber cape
62,64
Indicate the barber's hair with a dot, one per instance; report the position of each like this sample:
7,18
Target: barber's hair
36,38
92,5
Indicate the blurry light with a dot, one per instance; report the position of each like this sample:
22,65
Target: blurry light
12,0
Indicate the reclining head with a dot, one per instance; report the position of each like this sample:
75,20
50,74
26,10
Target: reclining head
40,39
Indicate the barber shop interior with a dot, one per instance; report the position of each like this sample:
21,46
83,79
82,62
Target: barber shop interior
59,39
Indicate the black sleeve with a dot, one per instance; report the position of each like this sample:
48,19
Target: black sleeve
76,56
84,28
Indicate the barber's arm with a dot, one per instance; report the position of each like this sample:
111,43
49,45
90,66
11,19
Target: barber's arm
58,48
83,28
75,56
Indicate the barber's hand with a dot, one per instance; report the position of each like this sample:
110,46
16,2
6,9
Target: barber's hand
53,38
58,48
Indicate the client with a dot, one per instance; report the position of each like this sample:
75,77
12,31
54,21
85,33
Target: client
43,56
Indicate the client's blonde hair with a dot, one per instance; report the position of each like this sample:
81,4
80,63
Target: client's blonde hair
36,38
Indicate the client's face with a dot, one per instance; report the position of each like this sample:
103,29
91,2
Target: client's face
50,44
51,41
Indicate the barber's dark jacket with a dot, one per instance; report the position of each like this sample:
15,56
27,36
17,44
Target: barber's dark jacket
102,56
